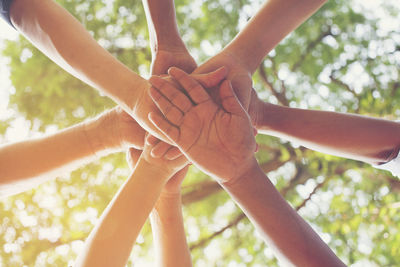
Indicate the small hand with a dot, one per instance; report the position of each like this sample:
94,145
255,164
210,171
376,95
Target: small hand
219,140
168,166
239,76
173,187
162,149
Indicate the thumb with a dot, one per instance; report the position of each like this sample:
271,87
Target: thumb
229,100
133,156
211,79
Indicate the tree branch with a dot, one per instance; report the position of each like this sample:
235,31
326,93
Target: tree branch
200,192
320,185
204,241
310,47
279,95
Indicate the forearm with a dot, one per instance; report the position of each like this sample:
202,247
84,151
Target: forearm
282,228
353,136
63,39
37,158
268,27
111,242
161,21
169,233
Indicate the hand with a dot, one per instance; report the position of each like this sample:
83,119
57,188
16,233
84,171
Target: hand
164,59
172,188
170,167
117,130
219,140
239,76
144,104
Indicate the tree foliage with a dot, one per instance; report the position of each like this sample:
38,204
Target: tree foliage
344,58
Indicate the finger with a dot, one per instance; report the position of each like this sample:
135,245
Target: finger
171,112
180,161
228,99
160,150
173,153
211,79
194,89
152,140
174,95
169,130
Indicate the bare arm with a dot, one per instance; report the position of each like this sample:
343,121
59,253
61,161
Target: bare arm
64,40
352,136
166,44
268,27
27,163
293,240
111,241
263,32
167,225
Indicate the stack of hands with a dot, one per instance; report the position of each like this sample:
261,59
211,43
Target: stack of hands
204,115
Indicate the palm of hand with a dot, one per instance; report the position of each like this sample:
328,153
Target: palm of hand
211,138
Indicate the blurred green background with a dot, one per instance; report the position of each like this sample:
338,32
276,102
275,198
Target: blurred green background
345,58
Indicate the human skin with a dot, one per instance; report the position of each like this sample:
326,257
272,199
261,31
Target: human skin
28,163
167,224
166,218
221,143
111,241
64,40
363,138
167,47
242,56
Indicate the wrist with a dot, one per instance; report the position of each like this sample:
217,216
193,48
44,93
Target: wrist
109,131
92,131
131,92
247,170
268,116
232,52
170,43
153,170
166,200
246,58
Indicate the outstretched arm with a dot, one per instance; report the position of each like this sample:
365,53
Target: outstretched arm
352,136
263,32
167,225
268,27
111,241
27,163
167,47
220,141
63,39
